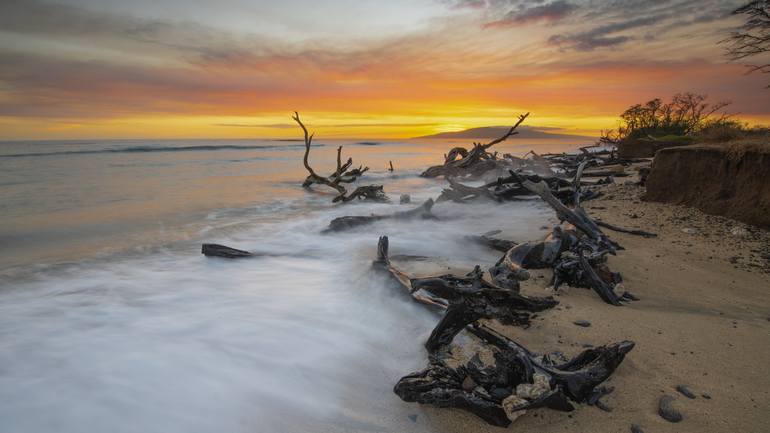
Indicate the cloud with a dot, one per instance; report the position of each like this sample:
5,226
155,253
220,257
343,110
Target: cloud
627,17
601,36
549,12
70,62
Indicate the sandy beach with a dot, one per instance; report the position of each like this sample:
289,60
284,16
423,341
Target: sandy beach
703,320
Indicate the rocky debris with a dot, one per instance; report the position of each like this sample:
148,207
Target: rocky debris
635,428
667,411
685,391
582,323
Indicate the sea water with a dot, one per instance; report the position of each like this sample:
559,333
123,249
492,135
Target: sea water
112,321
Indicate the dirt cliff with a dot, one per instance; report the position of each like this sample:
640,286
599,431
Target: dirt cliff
731,179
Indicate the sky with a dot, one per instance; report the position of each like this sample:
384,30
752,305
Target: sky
72,69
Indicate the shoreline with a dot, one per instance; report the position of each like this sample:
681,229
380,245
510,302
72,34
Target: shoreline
703,321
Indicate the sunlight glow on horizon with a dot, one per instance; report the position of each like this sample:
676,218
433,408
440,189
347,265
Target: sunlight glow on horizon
102,69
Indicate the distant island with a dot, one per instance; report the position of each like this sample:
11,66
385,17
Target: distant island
498,131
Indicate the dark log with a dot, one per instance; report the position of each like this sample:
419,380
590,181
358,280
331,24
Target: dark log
518,380
496,244
216,250
607,225
467,299
605,173
472,298
575,217
512,267
477,161
349,222
343,174
367,192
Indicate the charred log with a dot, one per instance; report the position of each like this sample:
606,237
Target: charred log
343,174
518,380
466,298
474,162
492,242
349,222
216,250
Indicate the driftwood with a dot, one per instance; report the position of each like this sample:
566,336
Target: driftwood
512,267
492,242
467,299
518,379
512,188
615,228
475,162
216,250
349,222
576,217
342,175
367,192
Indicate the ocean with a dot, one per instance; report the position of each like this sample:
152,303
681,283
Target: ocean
112,320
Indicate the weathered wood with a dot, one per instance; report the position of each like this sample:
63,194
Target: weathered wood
615,228
475,162
468,298
495,243
518,380
216,250
343,174
348,222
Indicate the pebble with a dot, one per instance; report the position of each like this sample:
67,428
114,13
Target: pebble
583,323
413,418
405,198
636,429
666,411
468,383
689,230
685,391
739,232
706,396
601,405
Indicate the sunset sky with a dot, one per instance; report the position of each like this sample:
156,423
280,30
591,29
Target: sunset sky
362,69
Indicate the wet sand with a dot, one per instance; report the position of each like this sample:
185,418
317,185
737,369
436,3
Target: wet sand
703,320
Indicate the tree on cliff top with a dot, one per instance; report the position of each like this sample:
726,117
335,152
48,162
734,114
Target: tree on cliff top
686,114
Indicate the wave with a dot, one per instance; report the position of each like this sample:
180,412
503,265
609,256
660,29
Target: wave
145,149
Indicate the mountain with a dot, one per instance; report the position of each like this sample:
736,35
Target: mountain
491,132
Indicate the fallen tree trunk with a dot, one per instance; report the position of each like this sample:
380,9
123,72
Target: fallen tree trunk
518,379
349,222
615,228
477,161
467,299
343,174
216,250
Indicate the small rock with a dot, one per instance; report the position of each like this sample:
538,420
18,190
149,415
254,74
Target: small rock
468,383
405,198
601,405
706,396
583,323
667,411
413,418
636,429
689,230
685,391
739,232
733,259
